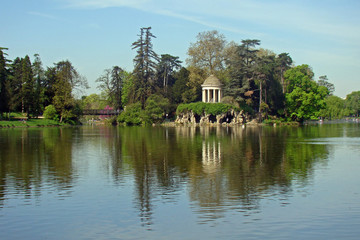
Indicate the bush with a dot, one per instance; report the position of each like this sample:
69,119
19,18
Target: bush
50,113
200,108
132,115
156,108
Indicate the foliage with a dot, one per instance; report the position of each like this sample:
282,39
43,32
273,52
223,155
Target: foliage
180,86
304,98
50,113
156,108
127,89
335,108
66,80
200,108
196,78
165,69
132,115
93,101
3,84
208,52
145,65
323,81
353,103
111,82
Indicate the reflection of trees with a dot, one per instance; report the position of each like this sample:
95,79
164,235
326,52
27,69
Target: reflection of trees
223,168
33,158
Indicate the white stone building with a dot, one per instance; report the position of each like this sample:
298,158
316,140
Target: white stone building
212,90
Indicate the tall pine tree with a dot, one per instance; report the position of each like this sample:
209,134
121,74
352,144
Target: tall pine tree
145,63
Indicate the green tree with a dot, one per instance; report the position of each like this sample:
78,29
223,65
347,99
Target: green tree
93,101
208,52
241,67
50,113
49,85
67,79
39,90
196,78
304,97
145,65
111,82
353,103
3,83
284,62
132,115
323,81
166,67
28,88
180,85
156,108
15,85
128,87
263,76
335,108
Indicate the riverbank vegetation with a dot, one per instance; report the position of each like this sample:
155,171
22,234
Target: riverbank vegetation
264,84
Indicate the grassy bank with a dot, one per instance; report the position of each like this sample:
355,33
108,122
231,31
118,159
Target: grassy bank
30,123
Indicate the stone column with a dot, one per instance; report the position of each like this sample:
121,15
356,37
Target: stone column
203,95
219,96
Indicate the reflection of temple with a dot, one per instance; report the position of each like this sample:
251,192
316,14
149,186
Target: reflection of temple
211,156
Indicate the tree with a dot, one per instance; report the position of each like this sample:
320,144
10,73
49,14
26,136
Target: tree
241,66
323,81
335,108
21,86
66,80
156,108
27,80
196,78
284,62
93,101
208,52
3,83
49,85
38,75
304,97
112,84
145,65
353,103
180,85
166,66
263,71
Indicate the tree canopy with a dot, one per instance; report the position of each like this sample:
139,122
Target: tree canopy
255,79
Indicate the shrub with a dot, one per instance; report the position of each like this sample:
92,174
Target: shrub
132,115
156,107
50,113
200,108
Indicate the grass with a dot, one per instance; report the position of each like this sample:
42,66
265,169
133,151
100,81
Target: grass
30,123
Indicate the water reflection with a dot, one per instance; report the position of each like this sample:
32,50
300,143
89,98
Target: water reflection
33,158
220,169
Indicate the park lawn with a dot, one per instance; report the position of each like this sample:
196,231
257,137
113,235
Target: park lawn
30,123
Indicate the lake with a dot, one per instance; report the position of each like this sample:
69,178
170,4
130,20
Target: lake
180,182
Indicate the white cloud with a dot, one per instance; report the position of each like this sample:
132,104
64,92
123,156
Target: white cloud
236,15
105,3
44,15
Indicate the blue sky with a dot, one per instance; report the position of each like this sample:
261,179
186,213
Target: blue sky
97,34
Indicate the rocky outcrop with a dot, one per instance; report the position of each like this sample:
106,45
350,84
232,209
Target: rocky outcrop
231,117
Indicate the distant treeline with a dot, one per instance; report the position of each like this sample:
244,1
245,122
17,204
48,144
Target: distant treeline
262,83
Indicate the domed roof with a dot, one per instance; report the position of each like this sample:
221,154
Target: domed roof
212,81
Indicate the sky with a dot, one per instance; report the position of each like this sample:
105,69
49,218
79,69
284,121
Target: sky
95,35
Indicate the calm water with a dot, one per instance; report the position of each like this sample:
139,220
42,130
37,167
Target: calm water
180,183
